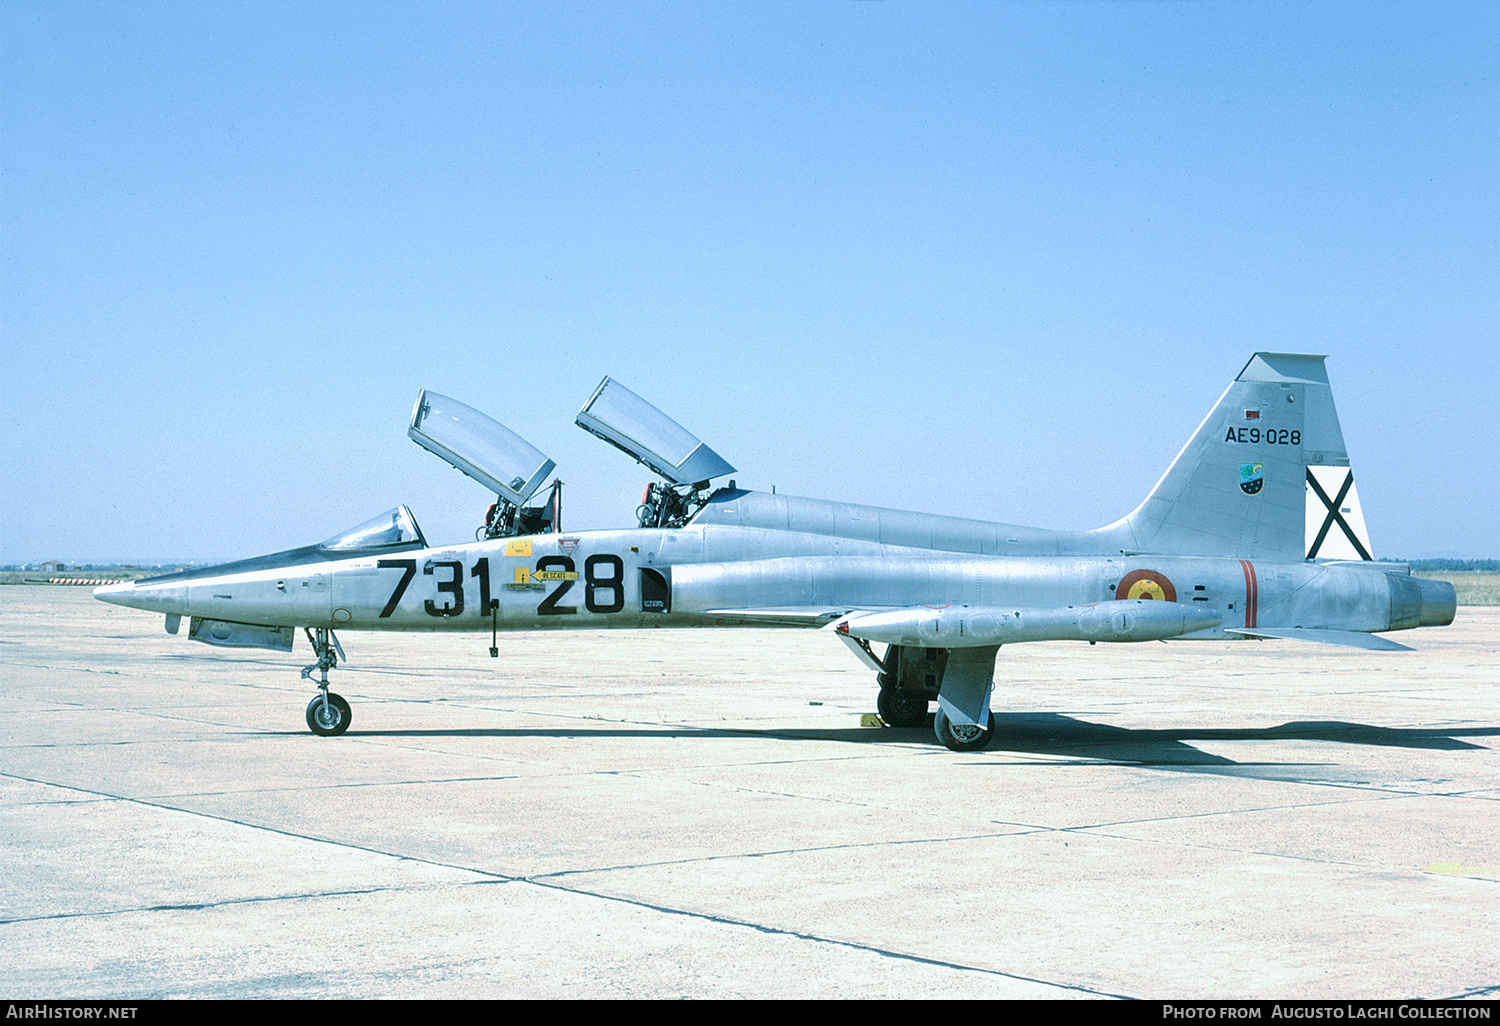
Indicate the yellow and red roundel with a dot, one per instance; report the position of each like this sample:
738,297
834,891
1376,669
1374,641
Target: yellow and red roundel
1146,584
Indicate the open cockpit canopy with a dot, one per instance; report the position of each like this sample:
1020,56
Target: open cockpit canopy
629,423
485,449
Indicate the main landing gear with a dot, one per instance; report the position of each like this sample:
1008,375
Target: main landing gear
899,707
908,684
912,677
328,715
962,737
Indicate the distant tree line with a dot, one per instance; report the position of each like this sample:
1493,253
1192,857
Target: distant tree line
1491,565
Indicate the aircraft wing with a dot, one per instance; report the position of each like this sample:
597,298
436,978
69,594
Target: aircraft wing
809,616
1348,639
788,616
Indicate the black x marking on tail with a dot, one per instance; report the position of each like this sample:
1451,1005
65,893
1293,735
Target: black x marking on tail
1334,516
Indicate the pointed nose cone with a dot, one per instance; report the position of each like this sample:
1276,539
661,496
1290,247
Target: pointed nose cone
158,598
119,594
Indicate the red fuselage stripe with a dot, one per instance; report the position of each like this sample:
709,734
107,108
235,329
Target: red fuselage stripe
1252,592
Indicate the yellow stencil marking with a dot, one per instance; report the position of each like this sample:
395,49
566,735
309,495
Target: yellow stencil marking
518,548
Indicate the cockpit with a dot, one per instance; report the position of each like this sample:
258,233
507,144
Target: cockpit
393,529
515,470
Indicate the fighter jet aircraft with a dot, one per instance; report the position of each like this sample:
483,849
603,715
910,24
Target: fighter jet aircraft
1254,531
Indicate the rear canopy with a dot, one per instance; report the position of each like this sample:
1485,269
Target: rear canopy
629,423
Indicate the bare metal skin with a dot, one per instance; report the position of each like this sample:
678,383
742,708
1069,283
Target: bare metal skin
1255,530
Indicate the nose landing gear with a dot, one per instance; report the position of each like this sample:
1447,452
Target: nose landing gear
328,715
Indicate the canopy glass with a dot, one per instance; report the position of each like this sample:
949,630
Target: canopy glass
486,450
628,422
396,527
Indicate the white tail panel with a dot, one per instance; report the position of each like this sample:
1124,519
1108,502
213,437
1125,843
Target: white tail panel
1334,526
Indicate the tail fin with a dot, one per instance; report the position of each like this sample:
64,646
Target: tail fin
1264,476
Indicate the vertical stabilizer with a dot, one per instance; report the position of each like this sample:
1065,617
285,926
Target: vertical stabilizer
1265,475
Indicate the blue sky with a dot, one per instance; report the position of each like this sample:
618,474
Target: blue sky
995,260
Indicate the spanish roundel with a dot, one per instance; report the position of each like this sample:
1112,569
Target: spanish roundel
1146,584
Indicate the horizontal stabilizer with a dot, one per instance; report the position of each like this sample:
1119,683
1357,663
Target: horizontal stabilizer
1348,639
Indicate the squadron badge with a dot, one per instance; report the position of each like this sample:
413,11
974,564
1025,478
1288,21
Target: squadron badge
1252,476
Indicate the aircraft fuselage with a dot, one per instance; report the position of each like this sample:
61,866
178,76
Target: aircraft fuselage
699,576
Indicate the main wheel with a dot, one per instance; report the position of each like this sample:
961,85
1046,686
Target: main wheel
331,720
901,708
960,737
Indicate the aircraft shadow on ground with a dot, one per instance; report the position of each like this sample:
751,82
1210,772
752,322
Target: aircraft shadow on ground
1033,733
1056,734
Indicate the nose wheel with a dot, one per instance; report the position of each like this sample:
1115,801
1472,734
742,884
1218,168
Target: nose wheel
328,715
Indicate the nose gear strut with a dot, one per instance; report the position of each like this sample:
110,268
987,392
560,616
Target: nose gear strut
328,715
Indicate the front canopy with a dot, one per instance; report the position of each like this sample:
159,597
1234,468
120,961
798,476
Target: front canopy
485,449
393,531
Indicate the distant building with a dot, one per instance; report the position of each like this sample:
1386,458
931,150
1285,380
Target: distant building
52,566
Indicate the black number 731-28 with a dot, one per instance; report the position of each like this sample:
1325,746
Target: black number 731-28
603,584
